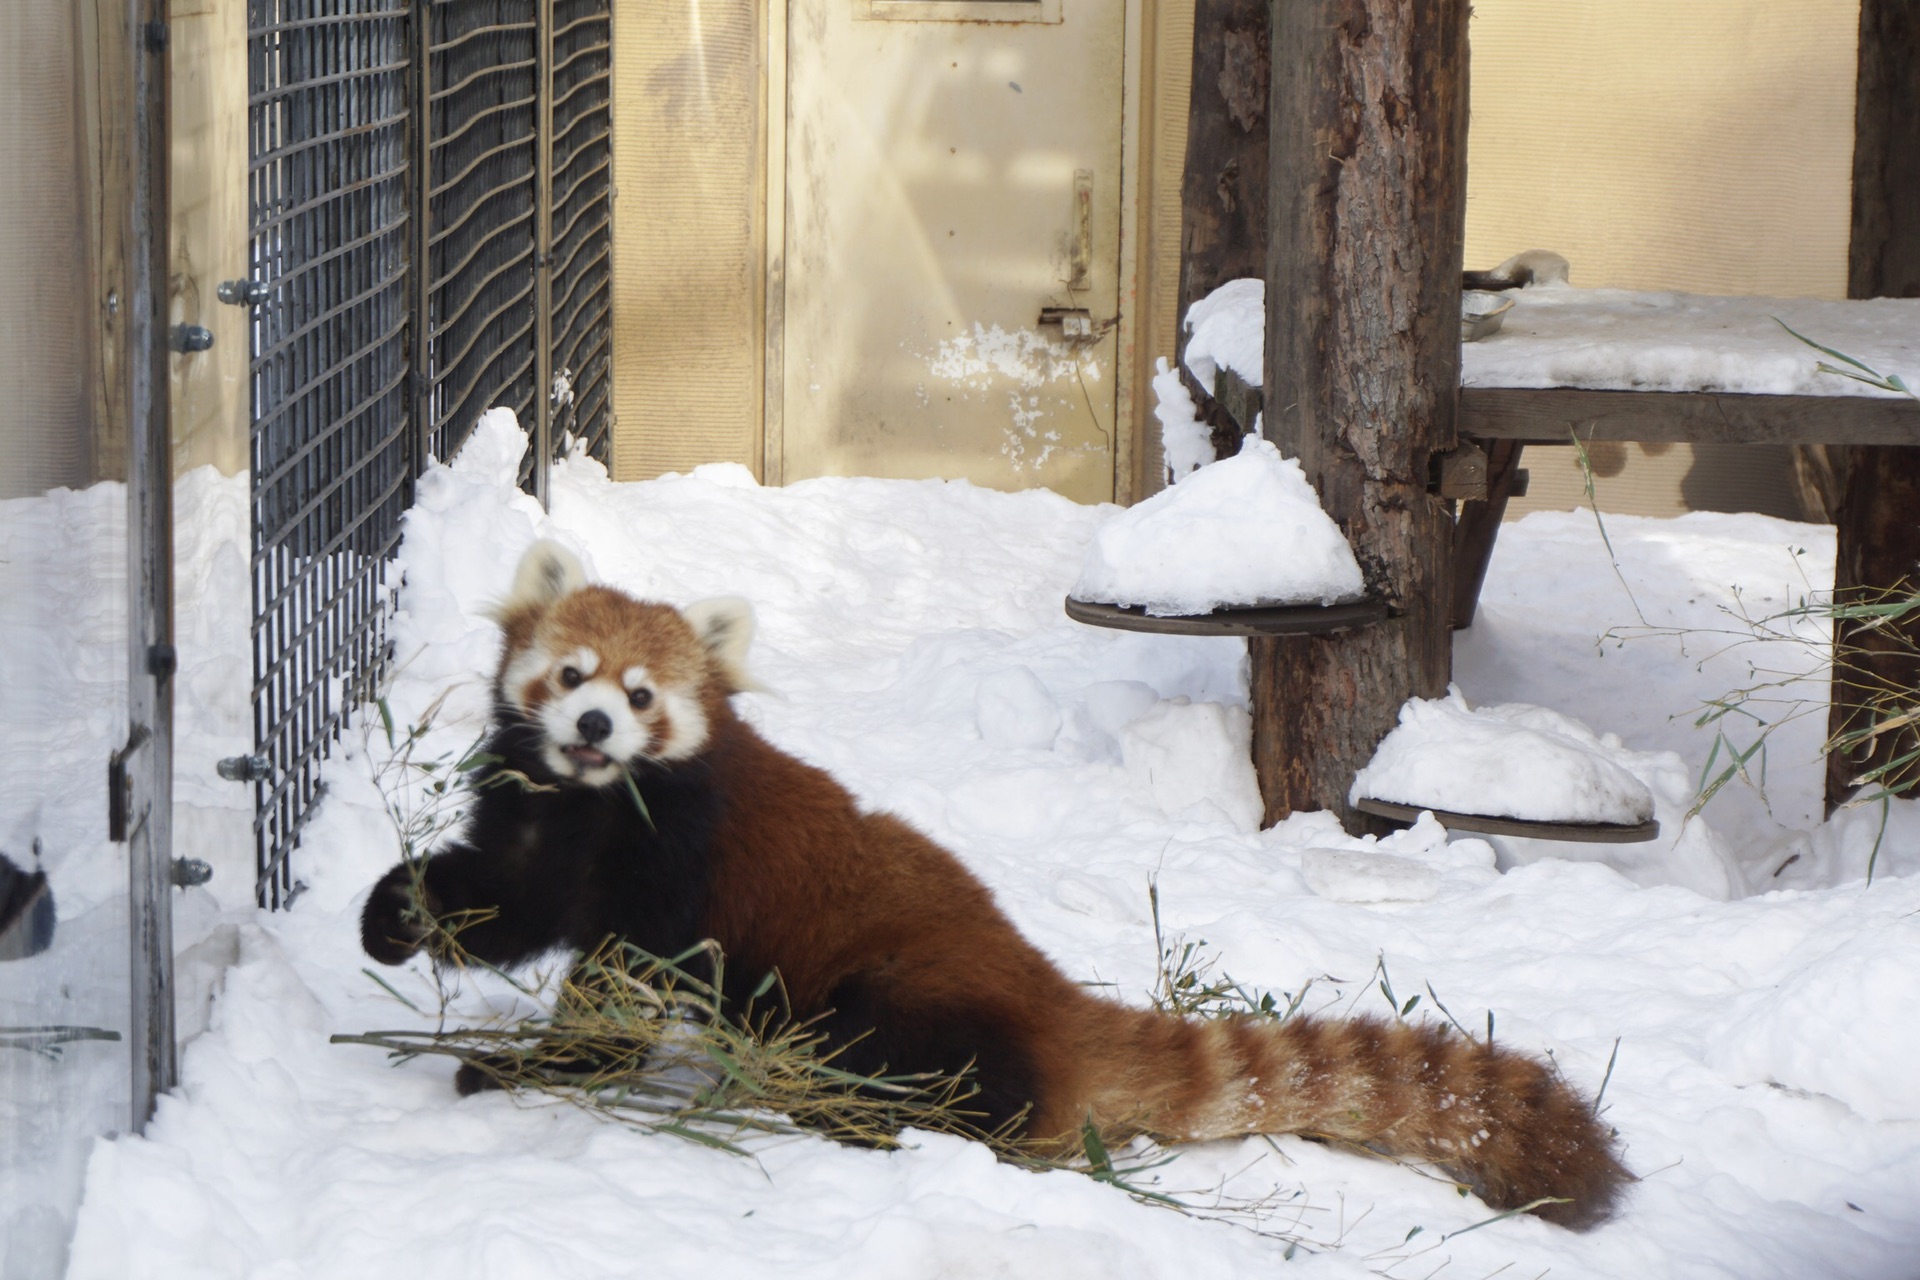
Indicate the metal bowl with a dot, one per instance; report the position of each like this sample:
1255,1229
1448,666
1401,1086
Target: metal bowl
1481,312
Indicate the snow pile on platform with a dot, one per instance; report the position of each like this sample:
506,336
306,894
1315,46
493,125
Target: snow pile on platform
1227,329
1511,761
1621,339
1247,530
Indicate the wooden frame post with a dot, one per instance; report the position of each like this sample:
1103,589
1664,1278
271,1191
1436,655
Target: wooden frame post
1366,211
1223,193
1879,539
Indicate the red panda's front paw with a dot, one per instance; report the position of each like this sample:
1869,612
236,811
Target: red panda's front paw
392,928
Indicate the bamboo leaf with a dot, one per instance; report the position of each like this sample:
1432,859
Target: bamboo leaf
639,801
1837,355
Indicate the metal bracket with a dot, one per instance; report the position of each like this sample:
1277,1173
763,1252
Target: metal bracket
188,338
242,293
188,872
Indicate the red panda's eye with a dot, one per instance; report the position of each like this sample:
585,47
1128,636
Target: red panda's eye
640,699
571,677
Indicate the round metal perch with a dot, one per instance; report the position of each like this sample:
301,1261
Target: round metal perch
1252,620
1582,832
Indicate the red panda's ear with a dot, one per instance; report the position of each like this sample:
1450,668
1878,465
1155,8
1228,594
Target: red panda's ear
547,572
725,627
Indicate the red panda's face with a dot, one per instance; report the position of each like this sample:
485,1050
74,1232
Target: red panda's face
609,682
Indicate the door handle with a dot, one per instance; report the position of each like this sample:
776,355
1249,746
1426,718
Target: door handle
1080,252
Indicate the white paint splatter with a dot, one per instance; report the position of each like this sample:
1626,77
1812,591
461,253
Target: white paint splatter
1024,356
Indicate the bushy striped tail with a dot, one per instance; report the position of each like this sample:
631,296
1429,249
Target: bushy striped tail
1501,1122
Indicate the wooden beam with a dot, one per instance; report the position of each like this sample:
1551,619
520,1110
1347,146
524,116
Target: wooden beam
1366,212
1478,524
1547,415
1878,537
1884,254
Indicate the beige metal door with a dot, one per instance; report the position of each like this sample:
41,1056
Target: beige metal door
951,242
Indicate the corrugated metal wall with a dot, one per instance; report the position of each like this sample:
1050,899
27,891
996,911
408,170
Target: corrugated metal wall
43,328
689,235
1704,147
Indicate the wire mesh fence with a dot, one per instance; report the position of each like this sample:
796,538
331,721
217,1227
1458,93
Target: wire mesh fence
403,205
581,293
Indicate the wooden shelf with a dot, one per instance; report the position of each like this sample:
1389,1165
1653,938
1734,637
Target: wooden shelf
1271,620
1548,415
1579,832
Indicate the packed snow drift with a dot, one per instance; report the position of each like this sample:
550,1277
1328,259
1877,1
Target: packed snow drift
1748,1015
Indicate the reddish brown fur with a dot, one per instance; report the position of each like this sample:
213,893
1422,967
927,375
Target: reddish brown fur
806,884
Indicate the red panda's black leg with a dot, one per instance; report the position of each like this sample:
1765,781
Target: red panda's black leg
391,928
876,1034
471,897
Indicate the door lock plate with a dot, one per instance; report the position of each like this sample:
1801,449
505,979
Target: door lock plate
1075,323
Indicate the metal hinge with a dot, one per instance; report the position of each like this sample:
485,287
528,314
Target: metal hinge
120,784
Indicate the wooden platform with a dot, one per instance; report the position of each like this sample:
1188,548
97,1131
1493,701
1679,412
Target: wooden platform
1578,832
1550,415
1265,620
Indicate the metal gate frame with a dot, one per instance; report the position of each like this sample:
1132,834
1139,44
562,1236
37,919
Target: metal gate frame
430,194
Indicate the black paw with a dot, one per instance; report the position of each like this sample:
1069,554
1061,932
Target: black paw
392,927
473,1078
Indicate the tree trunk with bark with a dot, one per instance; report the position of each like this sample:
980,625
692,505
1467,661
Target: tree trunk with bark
1879,518
1366,211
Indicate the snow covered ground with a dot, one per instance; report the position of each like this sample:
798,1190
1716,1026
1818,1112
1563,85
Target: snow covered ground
912,641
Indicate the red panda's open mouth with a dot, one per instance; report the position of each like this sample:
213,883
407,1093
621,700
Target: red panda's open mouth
582,754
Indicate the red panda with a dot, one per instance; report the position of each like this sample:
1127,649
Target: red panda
887,939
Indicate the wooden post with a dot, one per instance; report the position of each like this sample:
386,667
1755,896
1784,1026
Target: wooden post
1879,538
1223,197
1366,209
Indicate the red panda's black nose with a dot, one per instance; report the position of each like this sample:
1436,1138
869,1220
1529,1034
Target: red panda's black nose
594,725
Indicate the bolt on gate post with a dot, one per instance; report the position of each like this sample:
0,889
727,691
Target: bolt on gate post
1366,209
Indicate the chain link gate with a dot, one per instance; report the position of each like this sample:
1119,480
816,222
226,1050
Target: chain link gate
430,196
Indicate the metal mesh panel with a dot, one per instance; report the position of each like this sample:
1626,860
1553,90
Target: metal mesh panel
327,110
582,252
397,154
482,115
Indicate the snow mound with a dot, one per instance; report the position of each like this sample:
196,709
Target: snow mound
1228,330
1825,1029
1185,442
1247,530
1356,875
1510,761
